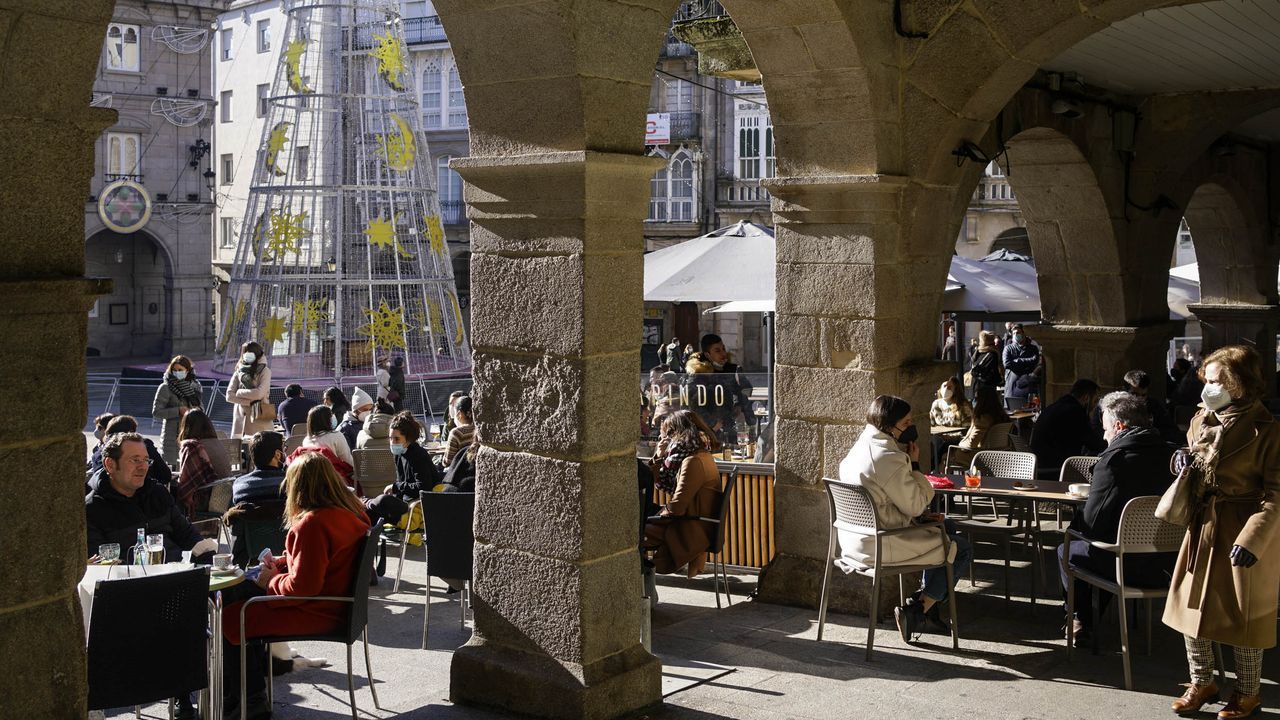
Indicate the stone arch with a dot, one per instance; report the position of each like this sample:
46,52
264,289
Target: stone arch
1015,239
1069,226
1226,239
141,270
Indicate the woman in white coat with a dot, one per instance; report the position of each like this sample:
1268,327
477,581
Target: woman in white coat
886,461
248,390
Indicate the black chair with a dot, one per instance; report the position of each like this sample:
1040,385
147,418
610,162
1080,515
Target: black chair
355,628
448,520
176,608
256,529
716,546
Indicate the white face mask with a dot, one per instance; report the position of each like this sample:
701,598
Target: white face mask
247,358
1215,396
947,393
180,374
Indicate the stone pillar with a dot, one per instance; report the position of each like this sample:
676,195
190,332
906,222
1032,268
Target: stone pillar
852,324
47,134
1254,325
556,283
1102,354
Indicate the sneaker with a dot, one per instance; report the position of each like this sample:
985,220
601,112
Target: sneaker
934,622
908,617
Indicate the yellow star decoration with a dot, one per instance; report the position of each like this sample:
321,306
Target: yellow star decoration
457,318
400,149
292,59
273,330
233,317
435,233
286,231
382,233
310,315
437,321
386,327
390,60
276,141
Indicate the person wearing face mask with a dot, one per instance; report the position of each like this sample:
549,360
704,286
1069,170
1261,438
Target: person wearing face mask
178,393
1224,583
1135,463
248,390
415,472
353,422
1021,359
377,425
950,408
886,461
717,388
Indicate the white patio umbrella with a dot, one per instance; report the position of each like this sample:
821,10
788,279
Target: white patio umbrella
732,263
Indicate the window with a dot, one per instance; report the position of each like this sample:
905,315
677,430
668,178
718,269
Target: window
264,36
994,170
302,162
225,38
450,188
122,153
457,105
122,47
431,100
672,190
679,95
264,99
416,9
227,236
754,148
228,169
224,100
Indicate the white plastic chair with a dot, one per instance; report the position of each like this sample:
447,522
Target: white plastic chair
852,510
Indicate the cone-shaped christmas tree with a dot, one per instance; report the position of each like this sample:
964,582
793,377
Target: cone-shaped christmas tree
342,261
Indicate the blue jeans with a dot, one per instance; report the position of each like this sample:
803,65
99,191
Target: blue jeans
934,584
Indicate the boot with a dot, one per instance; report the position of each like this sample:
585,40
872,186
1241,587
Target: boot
1240,706
651,586
1195,698
381,568
909,617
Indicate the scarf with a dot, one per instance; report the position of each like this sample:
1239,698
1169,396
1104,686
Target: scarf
187,389
1208,444
248,373
669,468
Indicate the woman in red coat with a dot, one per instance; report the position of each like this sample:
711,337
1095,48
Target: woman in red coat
327,527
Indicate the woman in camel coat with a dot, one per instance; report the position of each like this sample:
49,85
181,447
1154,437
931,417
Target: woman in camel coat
676,534
1226,581
248,392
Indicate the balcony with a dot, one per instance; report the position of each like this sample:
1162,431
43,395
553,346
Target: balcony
686,126
741,192
453,212
112,177
699,10
421,30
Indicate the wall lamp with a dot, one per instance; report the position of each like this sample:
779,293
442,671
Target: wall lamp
970,151
198,151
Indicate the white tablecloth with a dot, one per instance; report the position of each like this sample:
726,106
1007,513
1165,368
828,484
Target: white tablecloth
95,573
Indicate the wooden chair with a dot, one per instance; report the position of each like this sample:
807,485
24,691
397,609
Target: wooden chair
851,510
1140,533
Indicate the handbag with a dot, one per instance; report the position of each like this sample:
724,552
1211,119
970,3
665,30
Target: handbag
1177,505
261,411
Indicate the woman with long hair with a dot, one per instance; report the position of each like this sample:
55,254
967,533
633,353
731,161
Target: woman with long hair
202,460
986,370
179,392
336,401
322,432
676,534
950,408
391,382
248,390
1224,584
326,531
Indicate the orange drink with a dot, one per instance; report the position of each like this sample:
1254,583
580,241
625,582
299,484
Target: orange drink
972,480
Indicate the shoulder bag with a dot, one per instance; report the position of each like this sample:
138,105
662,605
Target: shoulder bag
1177,505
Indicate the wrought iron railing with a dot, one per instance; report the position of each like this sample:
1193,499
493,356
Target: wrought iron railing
421,30
453,212
686,126
698,10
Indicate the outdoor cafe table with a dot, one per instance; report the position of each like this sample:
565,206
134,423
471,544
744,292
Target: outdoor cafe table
212,701
1004,489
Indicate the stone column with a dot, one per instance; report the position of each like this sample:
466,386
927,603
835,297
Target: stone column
853,323
1254,325
47,133
556,288
1102,354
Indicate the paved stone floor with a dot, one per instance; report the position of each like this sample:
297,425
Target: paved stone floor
1012,664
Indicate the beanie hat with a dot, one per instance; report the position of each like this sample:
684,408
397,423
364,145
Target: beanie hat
360,398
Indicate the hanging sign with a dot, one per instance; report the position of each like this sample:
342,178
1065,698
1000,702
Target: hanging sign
124,206
657,129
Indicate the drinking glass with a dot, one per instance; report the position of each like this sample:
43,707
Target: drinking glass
109,552
155,549
973,480
435,432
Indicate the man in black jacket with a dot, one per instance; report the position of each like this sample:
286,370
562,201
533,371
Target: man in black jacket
294,408
263,483
1135,463
1063,429
123,498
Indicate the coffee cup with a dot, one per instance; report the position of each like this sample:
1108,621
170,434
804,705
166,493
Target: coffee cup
1078,489
222,561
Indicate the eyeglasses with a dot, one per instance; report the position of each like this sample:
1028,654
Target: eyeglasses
136,460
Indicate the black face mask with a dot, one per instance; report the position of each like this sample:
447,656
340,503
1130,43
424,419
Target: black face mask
909,435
